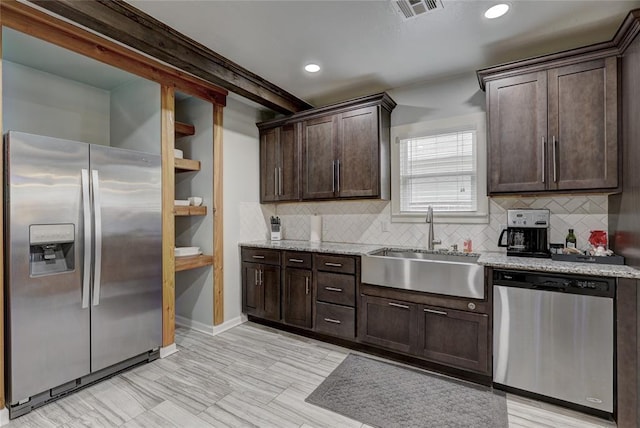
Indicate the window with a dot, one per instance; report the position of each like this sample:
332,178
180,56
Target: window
441,164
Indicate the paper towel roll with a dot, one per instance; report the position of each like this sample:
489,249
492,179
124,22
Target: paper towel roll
316,228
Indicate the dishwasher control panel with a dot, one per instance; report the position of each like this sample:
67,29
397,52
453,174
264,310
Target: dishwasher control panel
562,283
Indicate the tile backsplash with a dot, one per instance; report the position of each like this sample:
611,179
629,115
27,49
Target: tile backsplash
369,222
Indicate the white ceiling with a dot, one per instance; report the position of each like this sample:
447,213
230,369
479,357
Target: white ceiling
365,46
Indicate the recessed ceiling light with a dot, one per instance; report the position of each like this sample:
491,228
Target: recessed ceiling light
312,68
496,11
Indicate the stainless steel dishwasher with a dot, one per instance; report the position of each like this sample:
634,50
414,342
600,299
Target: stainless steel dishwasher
553,335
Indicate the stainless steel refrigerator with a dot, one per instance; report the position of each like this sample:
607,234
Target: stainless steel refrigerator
83,264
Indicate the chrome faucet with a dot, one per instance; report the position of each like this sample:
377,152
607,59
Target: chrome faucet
431,242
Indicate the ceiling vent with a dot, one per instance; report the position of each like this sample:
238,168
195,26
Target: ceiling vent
411,8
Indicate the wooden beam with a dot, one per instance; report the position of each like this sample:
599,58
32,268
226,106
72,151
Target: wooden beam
2,342
167,100
30,21
122,22
218,247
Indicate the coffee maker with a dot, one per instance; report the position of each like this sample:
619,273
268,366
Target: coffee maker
527,233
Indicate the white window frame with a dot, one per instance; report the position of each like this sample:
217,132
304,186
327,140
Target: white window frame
475,121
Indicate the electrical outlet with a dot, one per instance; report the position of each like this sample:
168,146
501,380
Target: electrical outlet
384,226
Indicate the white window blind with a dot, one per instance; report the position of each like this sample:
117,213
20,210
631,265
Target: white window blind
439,170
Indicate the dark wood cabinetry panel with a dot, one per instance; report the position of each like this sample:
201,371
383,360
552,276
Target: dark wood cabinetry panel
388,323
358,165
261,255
336,288
583,125
279,164
319,137
298,296
553,128
517,133
454,338
335,320
297,259
271,292
251,296
335,263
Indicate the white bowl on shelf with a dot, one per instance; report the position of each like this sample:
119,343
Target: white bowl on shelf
187,251
178,154
181,202
196,201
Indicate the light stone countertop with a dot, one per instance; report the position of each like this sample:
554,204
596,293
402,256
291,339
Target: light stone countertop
496,260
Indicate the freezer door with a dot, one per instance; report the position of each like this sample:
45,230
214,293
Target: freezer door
554,344
126,306
48,329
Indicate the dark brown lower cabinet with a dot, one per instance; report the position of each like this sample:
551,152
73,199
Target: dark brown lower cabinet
298,297
454,338
388,323
335,320
261,290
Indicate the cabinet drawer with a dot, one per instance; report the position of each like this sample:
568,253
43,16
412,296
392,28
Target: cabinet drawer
261,255
335,320
329,263
297,259
336,288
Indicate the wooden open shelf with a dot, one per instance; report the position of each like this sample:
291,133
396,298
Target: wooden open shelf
192,262
181,210
184,130
182,165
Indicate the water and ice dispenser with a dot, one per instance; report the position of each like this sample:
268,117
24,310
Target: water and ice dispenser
51,248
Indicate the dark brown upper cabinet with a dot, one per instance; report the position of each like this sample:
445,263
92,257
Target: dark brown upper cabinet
553,127
339,151
279,179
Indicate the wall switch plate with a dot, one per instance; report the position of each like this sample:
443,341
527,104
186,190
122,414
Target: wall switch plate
384,226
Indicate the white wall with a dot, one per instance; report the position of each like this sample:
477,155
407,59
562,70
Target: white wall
244,217
194,288
135,116
45,104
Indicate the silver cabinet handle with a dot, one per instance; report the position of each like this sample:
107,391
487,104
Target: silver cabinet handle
333,264
333,176
338,174
86,208
306,284
433,311
332,321
296,260
544,158
275,182
255,278
398,305
261,277
97,219
280,181
258,257
555,165
339,290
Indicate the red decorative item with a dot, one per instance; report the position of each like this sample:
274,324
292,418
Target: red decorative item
598,238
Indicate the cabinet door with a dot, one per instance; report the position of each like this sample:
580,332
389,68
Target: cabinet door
517,133
358,168
454,338
296,307
269,164
318,157
270,289
583,124
288,164
388,323
252,296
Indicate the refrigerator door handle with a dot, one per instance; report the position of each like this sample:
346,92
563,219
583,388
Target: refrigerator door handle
97,218
86,210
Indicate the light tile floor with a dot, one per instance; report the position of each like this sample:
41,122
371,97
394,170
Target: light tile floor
248,376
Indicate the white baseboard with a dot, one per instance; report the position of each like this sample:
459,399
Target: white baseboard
210,330
168,350
4,416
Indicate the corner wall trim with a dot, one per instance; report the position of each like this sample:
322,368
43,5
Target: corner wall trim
165,351
209,329
4,417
